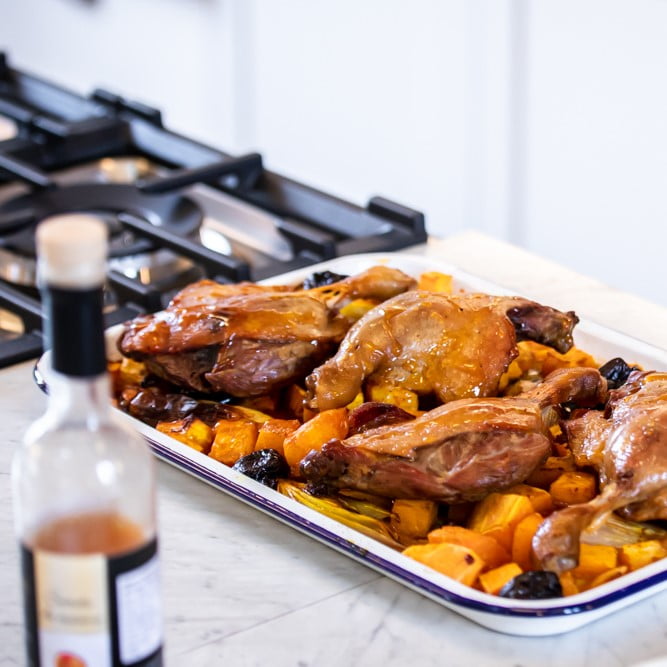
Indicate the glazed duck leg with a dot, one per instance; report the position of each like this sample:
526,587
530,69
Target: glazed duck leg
628,445
378,282
461,451
246,340
453,347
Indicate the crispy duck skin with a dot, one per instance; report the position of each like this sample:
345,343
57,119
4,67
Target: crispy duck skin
453,347
245,339
460,451
628,446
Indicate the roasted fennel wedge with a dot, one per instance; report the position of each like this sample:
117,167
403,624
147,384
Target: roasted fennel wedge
332,508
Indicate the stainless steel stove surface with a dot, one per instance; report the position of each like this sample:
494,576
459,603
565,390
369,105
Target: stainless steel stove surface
223,224
177,210
8,128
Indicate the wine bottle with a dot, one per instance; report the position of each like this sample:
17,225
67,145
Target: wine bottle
83,484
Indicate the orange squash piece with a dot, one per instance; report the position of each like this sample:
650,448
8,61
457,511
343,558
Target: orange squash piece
234,438
640,554
131,372
412,519
594,559
356,309
608,575
454,560
573,357
572,488
522,549
539,498
535,357
403,398
568,583
550,471
485,546
435,281
273,432
313,434
493,580
190,431
498,514
356,401
296,401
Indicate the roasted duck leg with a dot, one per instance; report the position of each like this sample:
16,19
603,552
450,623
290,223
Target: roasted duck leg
461,451
246,340
628,446
378,282
453,347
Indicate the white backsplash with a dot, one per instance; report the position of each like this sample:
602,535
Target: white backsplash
539,123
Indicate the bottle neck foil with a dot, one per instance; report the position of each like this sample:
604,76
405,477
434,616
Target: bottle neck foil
75,331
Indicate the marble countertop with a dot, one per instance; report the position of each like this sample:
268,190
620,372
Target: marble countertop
241,589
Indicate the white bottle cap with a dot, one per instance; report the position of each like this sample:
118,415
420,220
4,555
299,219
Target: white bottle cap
72,251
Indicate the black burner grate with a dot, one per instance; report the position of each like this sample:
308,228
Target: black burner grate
58,129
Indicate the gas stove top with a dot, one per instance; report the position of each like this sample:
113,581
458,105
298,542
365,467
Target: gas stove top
177,210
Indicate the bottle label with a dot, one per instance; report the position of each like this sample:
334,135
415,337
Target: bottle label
93,610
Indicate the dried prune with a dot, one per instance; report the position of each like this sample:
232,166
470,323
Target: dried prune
322,278
533,585
373,414
151,405
266,466
616,371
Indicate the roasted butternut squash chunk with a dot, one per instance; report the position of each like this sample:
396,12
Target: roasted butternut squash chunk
313,434
412,519
454,560
594,559
568,583
493,580
357,309
573,487
641,553
609,575
356,401
190,431
296,401
485,546
535,357
550,471
539,498
233,439
522,549
435,281
272,433
498,514
403,398
554,360
131,371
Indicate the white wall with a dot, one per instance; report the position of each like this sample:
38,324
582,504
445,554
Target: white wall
538,122
175,54
595,180
339,88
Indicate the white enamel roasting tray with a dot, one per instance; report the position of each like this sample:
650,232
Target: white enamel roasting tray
518,617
